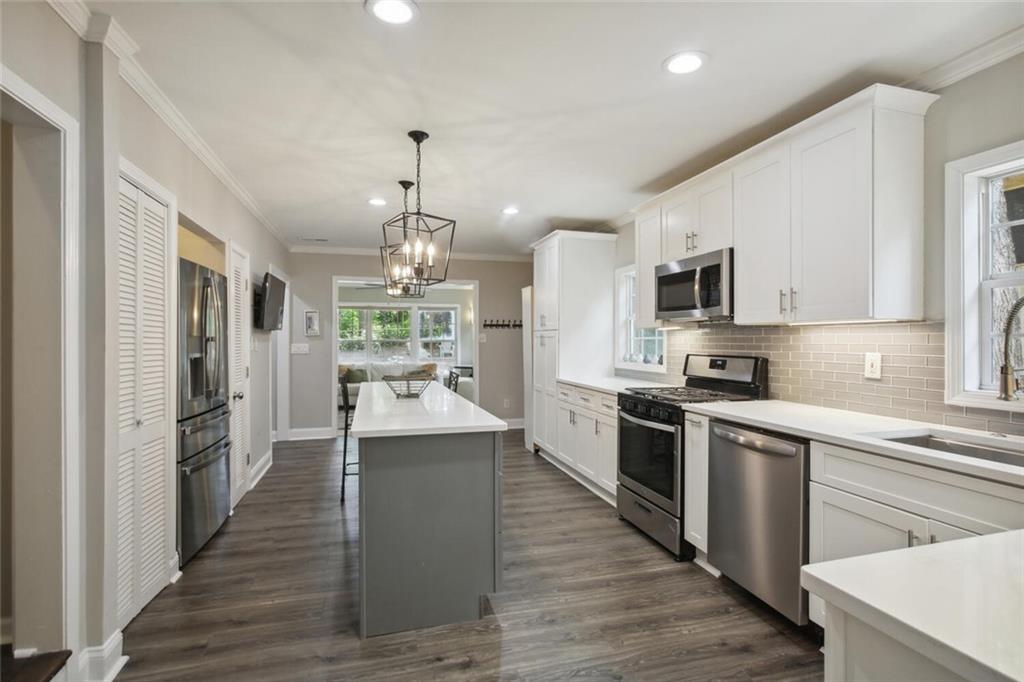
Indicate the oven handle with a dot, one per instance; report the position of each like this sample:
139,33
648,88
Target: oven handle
644,422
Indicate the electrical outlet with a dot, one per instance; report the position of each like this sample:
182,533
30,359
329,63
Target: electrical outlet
300,349
872,365
506,403
483,338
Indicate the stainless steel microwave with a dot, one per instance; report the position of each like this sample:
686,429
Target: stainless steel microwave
695,289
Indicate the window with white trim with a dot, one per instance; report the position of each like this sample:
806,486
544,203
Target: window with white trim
636,348
984,272
397,333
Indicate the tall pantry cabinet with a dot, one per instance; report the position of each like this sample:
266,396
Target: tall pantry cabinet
573,279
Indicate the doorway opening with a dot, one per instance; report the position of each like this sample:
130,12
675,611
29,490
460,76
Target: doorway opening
40,403
375,336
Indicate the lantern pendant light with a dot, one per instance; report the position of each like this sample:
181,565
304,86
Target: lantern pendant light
418,243
393,262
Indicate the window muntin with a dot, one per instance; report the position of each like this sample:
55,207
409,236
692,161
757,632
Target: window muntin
1002,237
437,333
636,348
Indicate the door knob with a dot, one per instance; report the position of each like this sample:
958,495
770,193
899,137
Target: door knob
238,396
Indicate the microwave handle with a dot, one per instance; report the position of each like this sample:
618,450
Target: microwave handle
696,288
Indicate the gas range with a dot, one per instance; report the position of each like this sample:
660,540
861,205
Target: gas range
651,448
709,378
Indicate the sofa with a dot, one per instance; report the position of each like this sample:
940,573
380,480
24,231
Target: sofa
376,371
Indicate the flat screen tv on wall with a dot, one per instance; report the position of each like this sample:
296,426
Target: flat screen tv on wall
268,313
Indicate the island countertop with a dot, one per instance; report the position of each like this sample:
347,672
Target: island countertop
958,603
379,413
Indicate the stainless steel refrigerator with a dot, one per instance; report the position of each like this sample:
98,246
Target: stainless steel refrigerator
204,481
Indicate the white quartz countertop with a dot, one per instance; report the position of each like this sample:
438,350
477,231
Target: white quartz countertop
862,432
379,413
959,603
608,384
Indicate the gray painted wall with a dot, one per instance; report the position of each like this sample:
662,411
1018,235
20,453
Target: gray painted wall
500,362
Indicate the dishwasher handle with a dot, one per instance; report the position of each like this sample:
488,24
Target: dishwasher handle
752,442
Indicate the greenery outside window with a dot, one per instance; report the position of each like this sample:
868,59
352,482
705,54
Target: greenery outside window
636,348
984,273
397,333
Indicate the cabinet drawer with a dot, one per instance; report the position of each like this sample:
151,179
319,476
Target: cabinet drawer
966,502
566,393
587,398
608,403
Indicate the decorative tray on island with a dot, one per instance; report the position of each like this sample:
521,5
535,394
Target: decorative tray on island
408,385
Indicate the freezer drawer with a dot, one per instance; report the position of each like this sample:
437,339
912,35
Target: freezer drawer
757,514
204,498
198,433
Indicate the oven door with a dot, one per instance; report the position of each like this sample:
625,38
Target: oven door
695,288
650,461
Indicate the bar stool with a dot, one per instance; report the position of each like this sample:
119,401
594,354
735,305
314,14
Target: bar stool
346,413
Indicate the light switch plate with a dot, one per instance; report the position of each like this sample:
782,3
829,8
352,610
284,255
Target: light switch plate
300,349
872,365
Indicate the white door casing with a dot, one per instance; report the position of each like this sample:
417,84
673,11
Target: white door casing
239,352
143,479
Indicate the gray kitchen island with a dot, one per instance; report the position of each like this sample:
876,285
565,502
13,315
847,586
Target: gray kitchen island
429,508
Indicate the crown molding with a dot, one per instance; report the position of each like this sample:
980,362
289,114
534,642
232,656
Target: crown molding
75,13
999,49
356,251
100,28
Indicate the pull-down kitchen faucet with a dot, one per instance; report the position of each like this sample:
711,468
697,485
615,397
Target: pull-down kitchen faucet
1007,379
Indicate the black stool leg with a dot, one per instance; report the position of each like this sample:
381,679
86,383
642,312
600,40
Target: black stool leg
344,458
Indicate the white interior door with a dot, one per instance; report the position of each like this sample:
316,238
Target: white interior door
239,331
143,481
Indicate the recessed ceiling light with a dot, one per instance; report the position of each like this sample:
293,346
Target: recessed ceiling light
392,11
685,62
510,210
377,201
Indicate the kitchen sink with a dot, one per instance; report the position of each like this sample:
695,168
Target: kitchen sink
1011,452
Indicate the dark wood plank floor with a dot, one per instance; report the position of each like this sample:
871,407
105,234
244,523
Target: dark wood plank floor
274,597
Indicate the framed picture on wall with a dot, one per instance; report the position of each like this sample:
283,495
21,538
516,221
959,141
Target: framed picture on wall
312,323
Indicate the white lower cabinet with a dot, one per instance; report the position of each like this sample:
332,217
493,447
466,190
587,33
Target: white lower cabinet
588,437
845,521
607,452
695,481
566,450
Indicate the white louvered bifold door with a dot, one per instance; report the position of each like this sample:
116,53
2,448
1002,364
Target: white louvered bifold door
239,330
142,480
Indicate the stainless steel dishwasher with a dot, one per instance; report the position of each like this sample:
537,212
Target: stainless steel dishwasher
757,514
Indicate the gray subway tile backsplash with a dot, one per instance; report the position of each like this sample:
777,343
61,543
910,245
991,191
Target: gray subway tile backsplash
824,366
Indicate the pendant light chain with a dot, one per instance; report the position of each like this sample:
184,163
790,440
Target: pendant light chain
419,207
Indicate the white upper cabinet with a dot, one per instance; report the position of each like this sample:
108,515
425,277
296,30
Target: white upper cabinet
826,218
545,279
697,217
678,224
761,268
648,235
831,232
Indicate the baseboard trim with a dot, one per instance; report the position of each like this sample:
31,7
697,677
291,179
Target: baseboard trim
6,636
102,662
261,468
517,423
25,653
579,478
316,433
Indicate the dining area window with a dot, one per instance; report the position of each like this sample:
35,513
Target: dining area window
397,333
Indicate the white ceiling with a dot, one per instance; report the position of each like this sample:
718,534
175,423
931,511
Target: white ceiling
559,108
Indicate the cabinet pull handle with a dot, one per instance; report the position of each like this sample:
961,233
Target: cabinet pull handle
596,432
910,537
792,299
782,302
694,240
688,236
695,422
